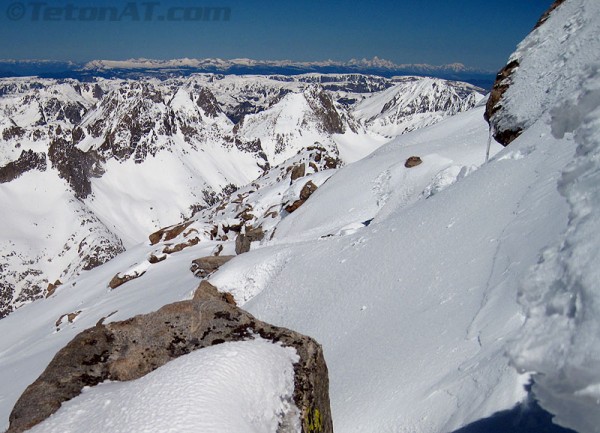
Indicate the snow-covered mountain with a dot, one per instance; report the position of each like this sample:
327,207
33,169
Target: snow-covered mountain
401,108
140,68
119,159
444,290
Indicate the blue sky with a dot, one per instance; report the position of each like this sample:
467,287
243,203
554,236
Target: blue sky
477,33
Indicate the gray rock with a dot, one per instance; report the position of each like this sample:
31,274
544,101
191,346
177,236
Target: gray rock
243,240
204,266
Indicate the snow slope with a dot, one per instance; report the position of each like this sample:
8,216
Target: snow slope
415,310
561,295
138,155
426,286
235,387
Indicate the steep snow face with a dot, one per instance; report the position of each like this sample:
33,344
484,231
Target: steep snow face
550,63
401,108
414,295
236,387
562,295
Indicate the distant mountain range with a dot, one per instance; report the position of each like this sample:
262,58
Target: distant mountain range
137,68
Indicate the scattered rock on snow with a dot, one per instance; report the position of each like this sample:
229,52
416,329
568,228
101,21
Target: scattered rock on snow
413,161
120,279
307,190
205,266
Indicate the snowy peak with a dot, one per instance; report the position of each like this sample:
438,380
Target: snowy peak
399,109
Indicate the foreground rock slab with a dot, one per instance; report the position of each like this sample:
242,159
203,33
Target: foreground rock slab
132,348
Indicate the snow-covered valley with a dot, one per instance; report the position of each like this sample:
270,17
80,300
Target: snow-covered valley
439,285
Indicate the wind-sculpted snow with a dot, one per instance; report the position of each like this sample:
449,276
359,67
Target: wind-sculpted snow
562,296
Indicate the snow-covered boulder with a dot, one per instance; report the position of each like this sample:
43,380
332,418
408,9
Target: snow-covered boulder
129,350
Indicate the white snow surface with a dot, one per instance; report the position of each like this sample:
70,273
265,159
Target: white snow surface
422,284
560,339
235,387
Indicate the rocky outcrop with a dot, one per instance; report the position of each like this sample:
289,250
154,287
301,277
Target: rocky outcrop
243,240
506,133
324,108
120,279
307,190
168,233
132,348
298,171
28,160
204,266
75,166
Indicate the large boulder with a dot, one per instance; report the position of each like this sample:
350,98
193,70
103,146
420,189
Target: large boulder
130,349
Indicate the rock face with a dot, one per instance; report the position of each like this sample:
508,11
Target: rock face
130,349
28,160
502,132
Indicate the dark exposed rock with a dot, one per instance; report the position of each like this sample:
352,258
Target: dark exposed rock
52,288
153,259
168,233
243,240
547,14
94,252
132,348
307,190
170,249
75,166
13,132
506,134
413,161
69,316
208,103
298,171
502,135
323,106
28,160
120,279
205,266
